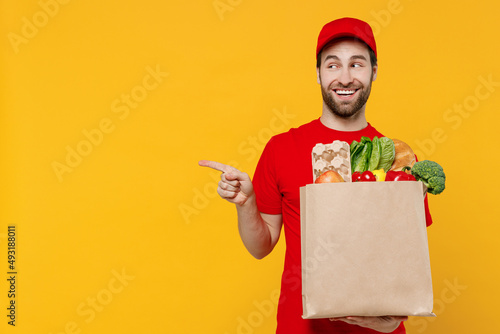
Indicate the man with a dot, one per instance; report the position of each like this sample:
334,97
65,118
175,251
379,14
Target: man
346,67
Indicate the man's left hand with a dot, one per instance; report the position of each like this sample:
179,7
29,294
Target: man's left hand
385,324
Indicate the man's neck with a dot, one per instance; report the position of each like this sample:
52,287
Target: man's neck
355,123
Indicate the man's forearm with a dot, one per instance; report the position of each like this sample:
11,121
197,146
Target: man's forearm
254,231
236,187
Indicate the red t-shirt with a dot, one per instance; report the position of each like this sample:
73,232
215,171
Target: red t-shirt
284,167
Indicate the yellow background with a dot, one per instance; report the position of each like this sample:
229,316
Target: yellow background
137,206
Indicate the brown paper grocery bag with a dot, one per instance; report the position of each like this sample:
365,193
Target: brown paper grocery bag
364,250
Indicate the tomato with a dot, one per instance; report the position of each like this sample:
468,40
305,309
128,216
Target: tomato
368,176
356,176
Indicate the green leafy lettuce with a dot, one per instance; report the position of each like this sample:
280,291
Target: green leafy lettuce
387,154
372,154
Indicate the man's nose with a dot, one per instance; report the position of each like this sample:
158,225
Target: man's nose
345,77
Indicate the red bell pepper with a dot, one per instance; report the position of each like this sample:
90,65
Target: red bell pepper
400,176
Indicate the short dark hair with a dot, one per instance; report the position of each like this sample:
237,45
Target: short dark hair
373,57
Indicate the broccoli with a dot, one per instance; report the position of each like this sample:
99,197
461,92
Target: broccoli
431,174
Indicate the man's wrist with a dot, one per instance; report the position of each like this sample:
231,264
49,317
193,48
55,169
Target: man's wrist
249,204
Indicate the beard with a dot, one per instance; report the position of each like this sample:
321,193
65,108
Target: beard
346,109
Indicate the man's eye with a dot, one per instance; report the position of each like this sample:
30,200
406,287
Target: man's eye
333,66
356,65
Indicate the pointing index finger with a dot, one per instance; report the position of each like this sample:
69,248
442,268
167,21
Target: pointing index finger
215,165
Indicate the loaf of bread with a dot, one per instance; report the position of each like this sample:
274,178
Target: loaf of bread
404,155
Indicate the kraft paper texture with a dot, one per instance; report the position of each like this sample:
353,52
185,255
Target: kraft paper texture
364,250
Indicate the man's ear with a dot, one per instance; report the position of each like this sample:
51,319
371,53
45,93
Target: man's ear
375,70
317,74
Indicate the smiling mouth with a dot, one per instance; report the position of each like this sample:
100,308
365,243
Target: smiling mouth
345,92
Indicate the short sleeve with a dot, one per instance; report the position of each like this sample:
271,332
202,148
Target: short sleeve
428,218
265,181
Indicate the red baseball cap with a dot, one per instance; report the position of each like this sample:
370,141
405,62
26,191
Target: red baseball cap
346,27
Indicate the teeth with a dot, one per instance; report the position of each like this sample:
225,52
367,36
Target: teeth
345,92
